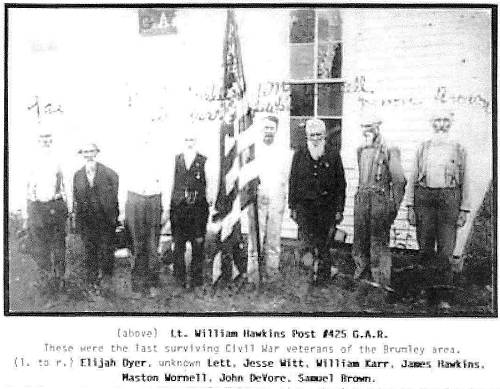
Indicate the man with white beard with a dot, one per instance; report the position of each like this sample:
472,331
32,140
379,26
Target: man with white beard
189,210
439,199
317,194
273,164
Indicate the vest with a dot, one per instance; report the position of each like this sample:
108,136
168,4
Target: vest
189,184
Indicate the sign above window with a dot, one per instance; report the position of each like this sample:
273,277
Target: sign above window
157,21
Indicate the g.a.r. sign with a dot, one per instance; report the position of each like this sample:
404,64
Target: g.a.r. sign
157,21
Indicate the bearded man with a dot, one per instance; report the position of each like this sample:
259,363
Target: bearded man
317,195
439,199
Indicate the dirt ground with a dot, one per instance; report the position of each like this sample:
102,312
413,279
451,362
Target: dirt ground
414,285
292,293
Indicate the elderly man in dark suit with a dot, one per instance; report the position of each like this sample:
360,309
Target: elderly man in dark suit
317,194
95,205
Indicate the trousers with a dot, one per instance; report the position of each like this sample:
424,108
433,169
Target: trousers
98,241
314,219
47,229
143,219
189,224
436,211
270,220
373,213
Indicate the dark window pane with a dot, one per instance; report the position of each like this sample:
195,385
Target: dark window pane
330,99
302,61
329,26
329,60
302,26
333,132
297,132
302,100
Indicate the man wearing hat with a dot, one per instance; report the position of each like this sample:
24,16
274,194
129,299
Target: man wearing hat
380,191
439,198
317,194
95,206
270,201
47,211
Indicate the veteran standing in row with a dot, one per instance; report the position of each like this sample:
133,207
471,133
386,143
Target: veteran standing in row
95,206
317,194
439,199
145,208
380,192
47,211
189,210
273,167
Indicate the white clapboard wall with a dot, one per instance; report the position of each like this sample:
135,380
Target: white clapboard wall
412,62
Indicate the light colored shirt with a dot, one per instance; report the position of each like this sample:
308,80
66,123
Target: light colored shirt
145,174
273,163
90,169
437,164
439,156
42,182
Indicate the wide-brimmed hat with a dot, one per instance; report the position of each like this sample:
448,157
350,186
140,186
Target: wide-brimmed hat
87,146
370,119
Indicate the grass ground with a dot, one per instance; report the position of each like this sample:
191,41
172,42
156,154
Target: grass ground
291,293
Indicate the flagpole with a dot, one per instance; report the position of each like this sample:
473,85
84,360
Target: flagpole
257,234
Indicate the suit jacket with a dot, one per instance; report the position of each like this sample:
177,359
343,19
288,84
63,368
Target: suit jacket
322,180
106,191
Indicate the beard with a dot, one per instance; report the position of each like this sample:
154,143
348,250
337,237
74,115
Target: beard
440,136
316,150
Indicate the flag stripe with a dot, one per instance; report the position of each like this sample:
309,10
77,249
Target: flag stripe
237,179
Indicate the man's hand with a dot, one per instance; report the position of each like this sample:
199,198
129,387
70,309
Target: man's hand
412,218
339,216
25,224
462,218
293,215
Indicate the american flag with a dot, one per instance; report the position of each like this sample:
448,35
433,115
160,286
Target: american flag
238,178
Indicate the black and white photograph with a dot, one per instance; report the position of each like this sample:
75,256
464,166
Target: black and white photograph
262,160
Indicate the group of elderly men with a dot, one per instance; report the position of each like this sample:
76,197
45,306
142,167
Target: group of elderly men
437,200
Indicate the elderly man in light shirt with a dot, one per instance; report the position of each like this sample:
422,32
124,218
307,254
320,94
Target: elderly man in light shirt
439,198
47,211
273,161
145,192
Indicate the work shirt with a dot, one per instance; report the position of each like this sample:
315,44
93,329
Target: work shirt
380,170
46,178
273,163
144,174
365,165
441,163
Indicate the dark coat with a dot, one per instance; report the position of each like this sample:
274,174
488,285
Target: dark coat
320,181
105,190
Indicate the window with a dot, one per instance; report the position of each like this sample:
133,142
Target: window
315,72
